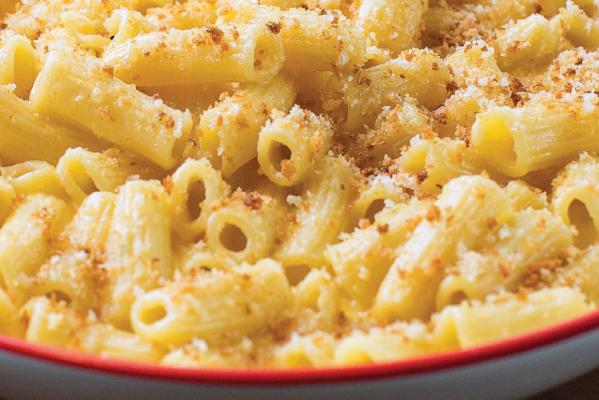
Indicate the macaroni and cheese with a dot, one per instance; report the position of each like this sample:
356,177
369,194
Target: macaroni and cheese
238,183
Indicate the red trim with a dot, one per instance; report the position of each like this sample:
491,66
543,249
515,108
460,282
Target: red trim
423,364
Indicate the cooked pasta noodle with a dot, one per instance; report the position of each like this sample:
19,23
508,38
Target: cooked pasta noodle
296,183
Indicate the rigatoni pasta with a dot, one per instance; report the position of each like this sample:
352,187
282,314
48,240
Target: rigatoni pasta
324,201
138,247
535,238
392,130
286,183
243,226
83,172
540,134
33,177
19,63
244,53
467,207
574,198
86,94
311,39
480,323
395,26
291,145
22,130
417,73
26,237
229,130
194,189
179,312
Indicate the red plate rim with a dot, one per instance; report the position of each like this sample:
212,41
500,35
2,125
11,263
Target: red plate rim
272,376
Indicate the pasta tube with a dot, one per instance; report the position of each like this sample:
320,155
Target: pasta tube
290,145
314,350
7,199
392,130
223,53
393,25
83,93
362,260
26,237
477,324
32,177
420,74
22,130
541,134
379,192
138,248
53,323
580,29
217,307
187,15
312,40
76,273
10,323
535,237
230,129
524,196
380,344
18,64
244,228
529,44
195,187
461,214
436,161
326,198
575,198
198,257
582,273
82,172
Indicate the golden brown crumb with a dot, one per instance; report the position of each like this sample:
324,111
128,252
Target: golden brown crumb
215,34
433,214
382,227
274,27
167,183
364,223
253,200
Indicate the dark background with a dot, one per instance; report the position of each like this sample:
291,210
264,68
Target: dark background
584,388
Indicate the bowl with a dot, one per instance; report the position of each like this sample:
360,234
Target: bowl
509,369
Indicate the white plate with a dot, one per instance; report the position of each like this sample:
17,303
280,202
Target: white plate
509,369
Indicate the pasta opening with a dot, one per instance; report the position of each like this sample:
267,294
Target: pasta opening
581,219
341,113
196,194
278,155
296,273
82,179
25,71
153,313
233,238
58,296
456,298
179,147
267,55
414,160
497,140
374,208
201,268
